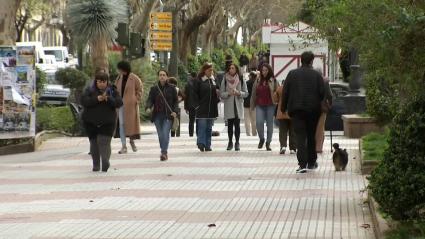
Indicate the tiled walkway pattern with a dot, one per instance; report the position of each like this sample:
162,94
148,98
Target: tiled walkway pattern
248,194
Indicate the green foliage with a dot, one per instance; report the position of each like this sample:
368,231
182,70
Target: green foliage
194,63
183,75
55,118
113,59
408,230
73,79
398,182
217,57
374,145
40,80
391,48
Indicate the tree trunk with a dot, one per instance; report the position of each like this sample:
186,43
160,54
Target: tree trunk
140,21
7,21
194,41
99,50
244,35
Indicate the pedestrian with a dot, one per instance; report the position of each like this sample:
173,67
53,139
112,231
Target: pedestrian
243,61
188,106
249,114
232,92
303,92
173,81
326,105
130,88
285,126
264,103
162,103
205,101
100,101
253,62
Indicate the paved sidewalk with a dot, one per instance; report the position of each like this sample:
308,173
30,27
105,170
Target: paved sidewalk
248,194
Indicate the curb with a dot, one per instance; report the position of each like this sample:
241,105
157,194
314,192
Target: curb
380,224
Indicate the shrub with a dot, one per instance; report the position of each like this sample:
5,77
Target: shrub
55,118
74,79
398,182
40,80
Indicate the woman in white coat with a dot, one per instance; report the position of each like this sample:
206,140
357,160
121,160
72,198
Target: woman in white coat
232,91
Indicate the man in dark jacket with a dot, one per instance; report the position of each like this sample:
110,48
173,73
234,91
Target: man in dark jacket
303,92
188,94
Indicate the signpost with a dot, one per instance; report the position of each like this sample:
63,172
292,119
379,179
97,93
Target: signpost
161,28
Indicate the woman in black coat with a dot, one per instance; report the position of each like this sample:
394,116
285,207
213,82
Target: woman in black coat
163,103
100,101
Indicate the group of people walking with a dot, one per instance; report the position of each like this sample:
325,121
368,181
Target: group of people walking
298,106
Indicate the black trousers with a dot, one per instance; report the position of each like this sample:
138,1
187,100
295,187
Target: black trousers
236,123
100,148
304,124
192,115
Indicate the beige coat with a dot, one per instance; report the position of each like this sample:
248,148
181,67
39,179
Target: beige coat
132,97
273,84
278,96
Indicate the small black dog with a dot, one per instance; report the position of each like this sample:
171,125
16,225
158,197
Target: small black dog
340,158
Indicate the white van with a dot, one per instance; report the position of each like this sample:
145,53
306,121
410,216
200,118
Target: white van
60,53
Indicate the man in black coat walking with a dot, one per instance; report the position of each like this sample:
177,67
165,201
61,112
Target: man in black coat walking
303,92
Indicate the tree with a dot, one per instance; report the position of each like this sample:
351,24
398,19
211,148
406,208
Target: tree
25,14
94,21
7,19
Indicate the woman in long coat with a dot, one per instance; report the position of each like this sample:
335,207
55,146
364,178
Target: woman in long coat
130,88
232,91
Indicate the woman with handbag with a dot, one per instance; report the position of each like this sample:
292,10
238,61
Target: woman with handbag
163,104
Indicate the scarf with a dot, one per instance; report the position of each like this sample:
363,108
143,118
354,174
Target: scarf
232,81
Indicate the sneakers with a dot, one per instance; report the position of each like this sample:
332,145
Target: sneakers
268,147
282,150
292,151
123,150
230,145
301,170
208,149
261,143
313,167
237,146
133,146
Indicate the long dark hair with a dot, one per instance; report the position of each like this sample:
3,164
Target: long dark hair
270,74
236,67
204,68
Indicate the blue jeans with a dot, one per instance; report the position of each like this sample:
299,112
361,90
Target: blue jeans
163,128
204,129
265,114
122,126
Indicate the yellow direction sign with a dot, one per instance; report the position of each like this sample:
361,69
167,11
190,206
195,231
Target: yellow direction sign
161,46
162,36
161,26
161,16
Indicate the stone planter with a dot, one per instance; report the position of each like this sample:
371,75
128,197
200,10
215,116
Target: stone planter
357,126
366,166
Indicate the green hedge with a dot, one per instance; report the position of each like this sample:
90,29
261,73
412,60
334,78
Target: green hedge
55,118
398,182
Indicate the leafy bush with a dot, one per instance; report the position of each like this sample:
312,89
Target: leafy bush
374,145
113,59
55,118
409,230
398,182
218,57
74,79
40,80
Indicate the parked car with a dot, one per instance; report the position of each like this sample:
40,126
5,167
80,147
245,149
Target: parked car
61,55
53,93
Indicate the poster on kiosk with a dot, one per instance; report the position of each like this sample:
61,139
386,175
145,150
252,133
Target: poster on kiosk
17,91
